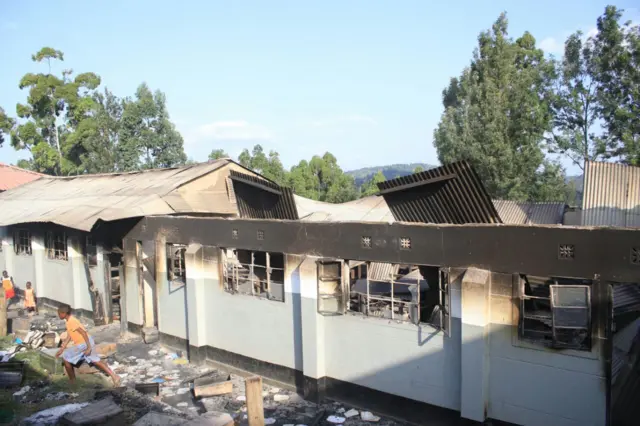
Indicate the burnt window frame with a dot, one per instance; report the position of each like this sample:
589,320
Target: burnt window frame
340,296
19,246
91,251
56,246
343,296
176,264
542,338
230,273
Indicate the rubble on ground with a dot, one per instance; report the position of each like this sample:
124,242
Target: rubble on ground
173,384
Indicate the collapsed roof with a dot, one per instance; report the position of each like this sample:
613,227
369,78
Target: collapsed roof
81,201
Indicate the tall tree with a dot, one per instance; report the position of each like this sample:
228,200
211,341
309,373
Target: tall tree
576,106
6,125
333,185
616,56
217,154
371,186
496,115
97,136
148,139
418,169
269,166
44,124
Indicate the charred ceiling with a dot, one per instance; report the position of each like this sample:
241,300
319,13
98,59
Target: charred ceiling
448,194
262,199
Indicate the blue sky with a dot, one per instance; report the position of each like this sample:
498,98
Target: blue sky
361,79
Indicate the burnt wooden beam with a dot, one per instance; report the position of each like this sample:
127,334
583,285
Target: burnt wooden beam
527,249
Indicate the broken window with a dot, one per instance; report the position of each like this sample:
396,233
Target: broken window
22,241
176,266
55,245
255,273
405,293
330,287
556,312
91,251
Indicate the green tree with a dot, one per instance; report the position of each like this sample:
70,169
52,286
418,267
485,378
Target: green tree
6,125
496,115
576,106
616,70
55,106
371,187
217,154
97,136
418,169
148,139
268,166
333,185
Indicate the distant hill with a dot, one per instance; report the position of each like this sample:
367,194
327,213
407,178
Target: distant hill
391,171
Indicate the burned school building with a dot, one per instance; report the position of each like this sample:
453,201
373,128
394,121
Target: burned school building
429,301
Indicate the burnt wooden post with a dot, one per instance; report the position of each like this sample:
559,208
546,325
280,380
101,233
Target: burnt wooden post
253,391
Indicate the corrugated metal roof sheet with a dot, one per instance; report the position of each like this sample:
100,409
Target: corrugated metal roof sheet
80,201
367,209
626,298
261,199
11,176
525,213
448,194
611,195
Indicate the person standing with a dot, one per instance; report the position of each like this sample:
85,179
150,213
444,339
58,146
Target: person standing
8,287
30,302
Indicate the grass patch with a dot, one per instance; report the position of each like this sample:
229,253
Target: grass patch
12,412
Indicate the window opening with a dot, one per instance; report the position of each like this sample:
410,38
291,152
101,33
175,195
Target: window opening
405,293
56,246
255,273
91,251
176,266
556,312
22,241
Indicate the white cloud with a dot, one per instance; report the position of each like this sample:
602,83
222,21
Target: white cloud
354,118
552,46
239,130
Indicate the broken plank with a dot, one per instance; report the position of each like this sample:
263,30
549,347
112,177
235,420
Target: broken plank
212,386
253,391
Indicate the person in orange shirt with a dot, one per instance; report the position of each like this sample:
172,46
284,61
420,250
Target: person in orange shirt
30,299
83,348
7,286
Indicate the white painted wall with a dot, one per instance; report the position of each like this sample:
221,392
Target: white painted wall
58,280
533,385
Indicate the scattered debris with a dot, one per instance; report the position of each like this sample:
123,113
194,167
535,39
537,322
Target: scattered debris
280,398
153,352
335,419
96,413
150,335
367,416
148,388
269,421
52,415
182,404
17,396
241,398
351,413
157,419
212,386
